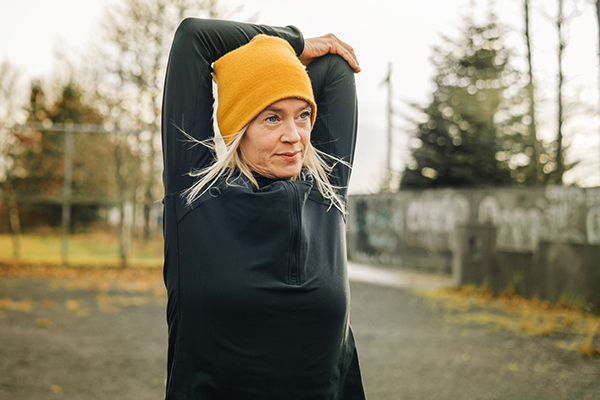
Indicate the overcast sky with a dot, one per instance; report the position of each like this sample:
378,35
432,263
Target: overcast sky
381,31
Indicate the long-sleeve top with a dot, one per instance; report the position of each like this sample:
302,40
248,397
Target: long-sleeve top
258,294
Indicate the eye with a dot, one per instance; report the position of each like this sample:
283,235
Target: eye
305,115
271,118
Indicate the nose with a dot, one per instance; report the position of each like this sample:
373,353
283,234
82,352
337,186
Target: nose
290,133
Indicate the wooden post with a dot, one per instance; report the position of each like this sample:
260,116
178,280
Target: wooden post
66,201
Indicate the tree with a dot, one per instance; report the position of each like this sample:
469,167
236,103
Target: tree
9,77
473,131
597,6
38,164
558,171
137,38
40,167
556,166
533,171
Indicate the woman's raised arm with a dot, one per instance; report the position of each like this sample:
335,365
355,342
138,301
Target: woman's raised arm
331,67
188,99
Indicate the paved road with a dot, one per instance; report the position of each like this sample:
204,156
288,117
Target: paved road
87,341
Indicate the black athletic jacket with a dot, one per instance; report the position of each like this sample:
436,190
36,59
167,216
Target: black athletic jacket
258,297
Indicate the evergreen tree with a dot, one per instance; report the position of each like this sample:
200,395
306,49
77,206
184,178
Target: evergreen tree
42,160
473,131
39,162
39,168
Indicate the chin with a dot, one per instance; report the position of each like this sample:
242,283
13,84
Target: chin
287,174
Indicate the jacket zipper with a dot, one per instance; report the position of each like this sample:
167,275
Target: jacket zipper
294,277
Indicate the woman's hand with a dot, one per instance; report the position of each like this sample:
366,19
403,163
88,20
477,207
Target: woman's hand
319,46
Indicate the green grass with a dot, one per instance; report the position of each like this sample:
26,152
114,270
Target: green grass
92,249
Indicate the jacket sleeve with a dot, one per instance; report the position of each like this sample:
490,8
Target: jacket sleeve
336,125
188,98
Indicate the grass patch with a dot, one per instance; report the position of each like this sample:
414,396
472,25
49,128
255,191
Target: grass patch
507,311
89,249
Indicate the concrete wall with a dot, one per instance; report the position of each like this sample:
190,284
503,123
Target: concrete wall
418,228
567,272
540,242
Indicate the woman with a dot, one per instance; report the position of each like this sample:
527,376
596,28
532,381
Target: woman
255,264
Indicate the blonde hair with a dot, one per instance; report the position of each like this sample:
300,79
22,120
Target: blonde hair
228,163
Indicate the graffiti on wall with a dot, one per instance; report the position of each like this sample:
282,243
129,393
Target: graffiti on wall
517,228
379,225
593,225
387,226
592,222
563,214
432,217
555,218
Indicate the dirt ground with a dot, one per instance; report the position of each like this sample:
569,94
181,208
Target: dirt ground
101,334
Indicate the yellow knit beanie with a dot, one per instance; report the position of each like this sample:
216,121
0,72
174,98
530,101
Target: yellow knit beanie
254,76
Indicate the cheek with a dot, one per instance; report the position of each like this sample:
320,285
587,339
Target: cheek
305,138
254,148
247,151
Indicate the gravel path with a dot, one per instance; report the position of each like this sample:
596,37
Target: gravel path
408,352
84,341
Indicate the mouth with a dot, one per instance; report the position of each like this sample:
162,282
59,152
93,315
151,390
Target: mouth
290,156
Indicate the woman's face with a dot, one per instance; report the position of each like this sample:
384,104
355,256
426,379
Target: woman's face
274,144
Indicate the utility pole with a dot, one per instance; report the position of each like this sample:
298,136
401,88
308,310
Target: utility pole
597,2
387,180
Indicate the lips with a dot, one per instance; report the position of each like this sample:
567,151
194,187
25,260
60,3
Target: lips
289,156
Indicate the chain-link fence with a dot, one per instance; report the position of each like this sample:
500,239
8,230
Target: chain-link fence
70,179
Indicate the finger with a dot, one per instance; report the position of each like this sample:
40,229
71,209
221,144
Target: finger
347,53
354,58
329,43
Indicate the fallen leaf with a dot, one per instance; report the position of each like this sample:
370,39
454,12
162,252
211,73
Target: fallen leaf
83,312
46,304
73,304
44,322
24,306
